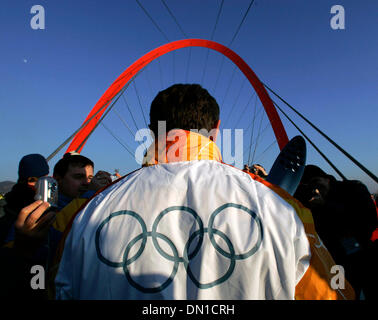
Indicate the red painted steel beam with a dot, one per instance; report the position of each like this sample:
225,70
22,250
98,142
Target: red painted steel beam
79,140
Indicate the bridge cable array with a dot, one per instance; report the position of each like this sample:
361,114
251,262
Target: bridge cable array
255,114
368,172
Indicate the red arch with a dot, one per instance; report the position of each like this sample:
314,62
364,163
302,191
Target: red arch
79,140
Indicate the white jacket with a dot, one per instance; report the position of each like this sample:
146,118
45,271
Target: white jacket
197,229
185,230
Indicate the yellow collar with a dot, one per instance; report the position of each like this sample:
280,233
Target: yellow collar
181,145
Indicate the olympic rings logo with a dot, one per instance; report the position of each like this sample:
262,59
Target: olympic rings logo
175,257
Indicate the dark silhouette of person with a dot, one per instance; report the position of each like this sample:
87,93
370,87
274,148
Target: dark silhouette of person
345,218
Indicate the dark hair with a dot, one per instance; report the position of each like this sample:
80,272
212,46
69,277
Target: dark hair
32,165
73,160
311,171
184,106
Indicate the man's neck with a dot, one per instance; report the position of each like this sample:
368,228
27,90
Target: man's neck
181,145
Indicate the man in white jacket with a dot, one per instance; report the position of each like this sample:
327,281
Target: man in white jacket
188,226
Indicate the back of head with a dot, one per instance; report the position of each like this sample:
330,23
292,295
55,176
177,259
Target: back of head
32,165
71,159
184,106
313,178
312,171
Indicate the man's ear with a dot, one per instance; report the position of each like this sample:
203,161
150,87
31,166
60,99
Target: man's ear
216,128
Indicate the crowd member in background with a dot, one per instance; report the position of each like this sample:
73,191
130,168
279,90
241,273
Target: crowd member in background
259,170
115,175
374,236
38,229
16,256
246,168
345,218
75,176
76,184
30,168
17,261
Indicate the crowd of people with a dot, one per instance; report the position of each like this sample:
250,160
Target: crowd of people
30,230
80,248
345,216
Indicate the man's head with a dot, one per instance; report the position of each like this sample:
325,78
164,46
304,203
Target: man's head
73,174
184,106
314,187
32,167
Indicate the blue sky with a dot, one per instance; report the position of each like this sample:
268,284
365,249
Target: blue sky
50,79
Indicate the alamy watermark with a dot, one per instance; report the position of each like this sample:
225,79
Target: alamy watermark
38,20
38,280
338,280
338,20
229,143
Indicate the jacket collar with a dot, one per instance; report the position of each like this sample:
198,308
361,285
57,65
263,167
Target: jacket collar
181,145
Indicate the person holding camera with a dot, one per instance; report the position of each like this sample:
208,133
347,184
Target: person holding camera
76,184
30,168
23,229
35,227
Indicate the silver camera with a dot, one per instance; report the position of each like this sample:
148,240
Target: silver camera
47,190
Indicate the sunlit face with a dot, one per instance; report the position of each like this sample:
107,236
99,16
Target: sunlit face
76,181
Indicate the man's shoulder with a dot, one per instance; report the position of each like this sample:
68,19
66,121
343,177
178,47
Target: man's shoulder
197,169
200,178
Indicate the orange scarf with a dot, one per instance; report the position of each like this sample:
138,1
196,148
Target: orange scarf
181,145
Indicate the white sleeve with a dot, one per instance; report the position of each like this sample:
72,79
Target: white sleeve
67,280
302,250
